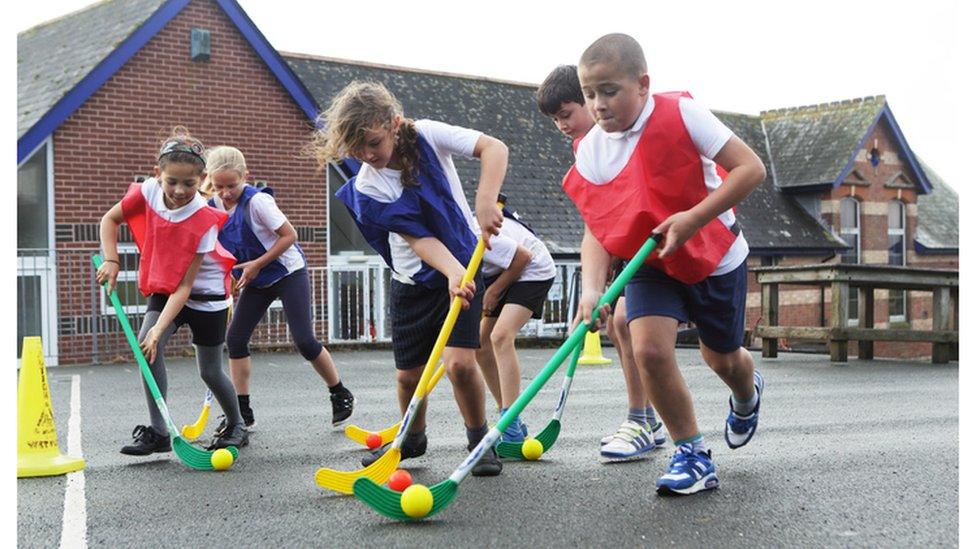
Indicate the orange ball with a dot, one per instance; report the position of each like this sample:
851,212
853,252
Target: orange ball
400,480
373,441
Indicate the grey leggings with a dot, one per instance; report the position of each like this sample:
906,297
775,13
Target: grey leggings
209,362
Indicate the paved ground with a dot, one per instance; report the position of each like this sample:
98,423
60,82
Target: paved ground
859,455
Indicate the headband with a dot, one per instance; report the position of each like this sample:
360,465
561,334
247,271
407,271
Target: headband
178,145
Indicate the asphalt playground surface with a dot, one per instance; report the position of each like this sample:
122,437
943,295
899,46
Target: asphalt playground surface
862,454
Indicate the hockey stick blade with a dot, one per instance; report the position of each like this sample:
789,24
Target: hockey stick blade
388,502
342,481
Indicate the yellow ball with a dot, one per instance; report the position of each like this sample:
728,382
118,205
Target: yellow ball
221,459
532,449
416,501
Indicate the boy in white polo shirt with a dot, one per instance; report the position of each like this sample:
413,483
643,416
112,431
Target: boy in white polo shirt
649,166
518,273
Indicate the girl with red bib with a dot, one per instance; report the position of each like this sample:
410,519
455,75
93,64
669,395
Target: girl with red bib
184,273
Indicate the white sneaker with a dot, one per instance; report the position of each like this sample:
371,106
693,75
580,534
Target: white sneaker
657,430
631,441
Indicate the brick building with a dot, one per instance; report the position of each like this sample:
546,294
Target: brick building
99,88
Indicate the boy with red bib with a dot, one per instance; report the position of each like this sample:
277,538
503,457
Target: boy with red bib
651,167
561,99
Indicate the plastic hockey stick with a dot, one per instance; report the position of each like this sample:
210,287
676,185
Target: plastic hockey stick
387,502
189,454
547,436
387,435
194,430
381,469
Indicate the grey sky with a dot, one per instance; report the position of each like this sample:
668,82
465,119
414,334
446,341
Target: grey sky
734,56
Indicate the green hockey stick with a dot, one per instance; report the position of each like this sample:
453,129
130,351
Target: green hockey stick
189,454
388,502
547,436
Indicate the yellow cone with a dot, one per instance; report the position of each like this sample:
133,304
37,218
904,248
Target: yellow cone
592,351
38,452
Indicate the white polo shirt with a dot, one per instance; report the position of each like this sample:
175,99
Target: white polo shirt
503,247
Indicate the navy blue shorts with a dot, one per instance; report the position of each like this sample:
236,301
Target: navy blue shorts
717,305
417,314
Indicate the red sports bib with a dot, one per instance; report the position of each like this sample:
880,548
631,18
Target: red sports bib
663,176
166,249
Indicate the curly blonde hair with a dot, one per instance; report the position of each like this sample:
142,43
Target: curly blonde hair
221,159
359,107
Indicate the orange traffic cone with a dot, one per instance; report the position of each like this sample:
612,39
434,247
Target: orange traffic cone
592,351
38,452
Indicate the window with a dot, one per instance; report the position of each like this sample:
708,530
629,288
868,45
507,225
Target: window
32,201
850,231
896,256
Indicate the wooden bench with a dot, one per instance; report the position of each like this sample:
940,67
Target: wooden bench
842,279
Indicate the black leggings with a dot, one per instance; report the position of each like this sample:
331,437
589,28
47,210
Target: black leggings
295,294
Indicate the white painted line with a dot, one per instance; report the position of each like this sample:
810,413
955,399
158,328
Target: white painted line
74,522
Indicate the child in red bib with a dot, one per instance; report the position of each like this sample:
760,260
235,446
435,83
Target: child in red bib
561,99
184,272
651,166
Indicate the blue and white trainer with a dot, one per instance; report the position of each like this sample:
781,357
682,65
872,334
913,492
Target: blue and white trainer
739,429
657,430
631,441
516,431
689,472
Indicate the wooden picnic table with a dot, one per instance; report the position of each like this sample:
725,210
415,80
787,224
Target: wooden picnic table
843,278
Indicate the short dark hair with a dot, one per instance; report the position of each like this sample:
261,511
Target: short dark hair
561,86
618,49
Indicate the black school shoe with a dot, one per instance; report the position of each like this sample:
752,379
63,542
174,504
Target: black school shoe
410,449
236,435
147,441
248,416
489,465
342,406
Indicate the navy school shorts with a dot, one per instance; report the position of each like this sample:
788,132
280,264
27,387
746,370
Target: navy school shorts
717,305
417,314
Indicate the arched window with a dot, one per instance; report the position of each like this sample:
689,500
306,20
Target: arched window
896,256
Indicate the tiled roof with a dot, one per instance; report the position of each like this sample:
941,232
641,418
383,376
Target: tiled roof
770,219
938,215
54,56
539,155
811,145
799,146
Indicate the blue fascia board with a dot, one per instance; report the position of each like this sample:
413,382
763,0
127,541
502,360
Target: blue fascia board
885,112
67,105
272,59
922,249
107,68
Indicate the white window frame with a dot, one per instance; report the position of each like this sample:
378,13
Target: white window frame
898,232
125,248
49,318
853,314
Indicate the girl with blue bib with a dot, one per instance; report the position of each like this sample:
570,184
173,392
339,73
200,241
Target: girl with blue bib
408,202
271,265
